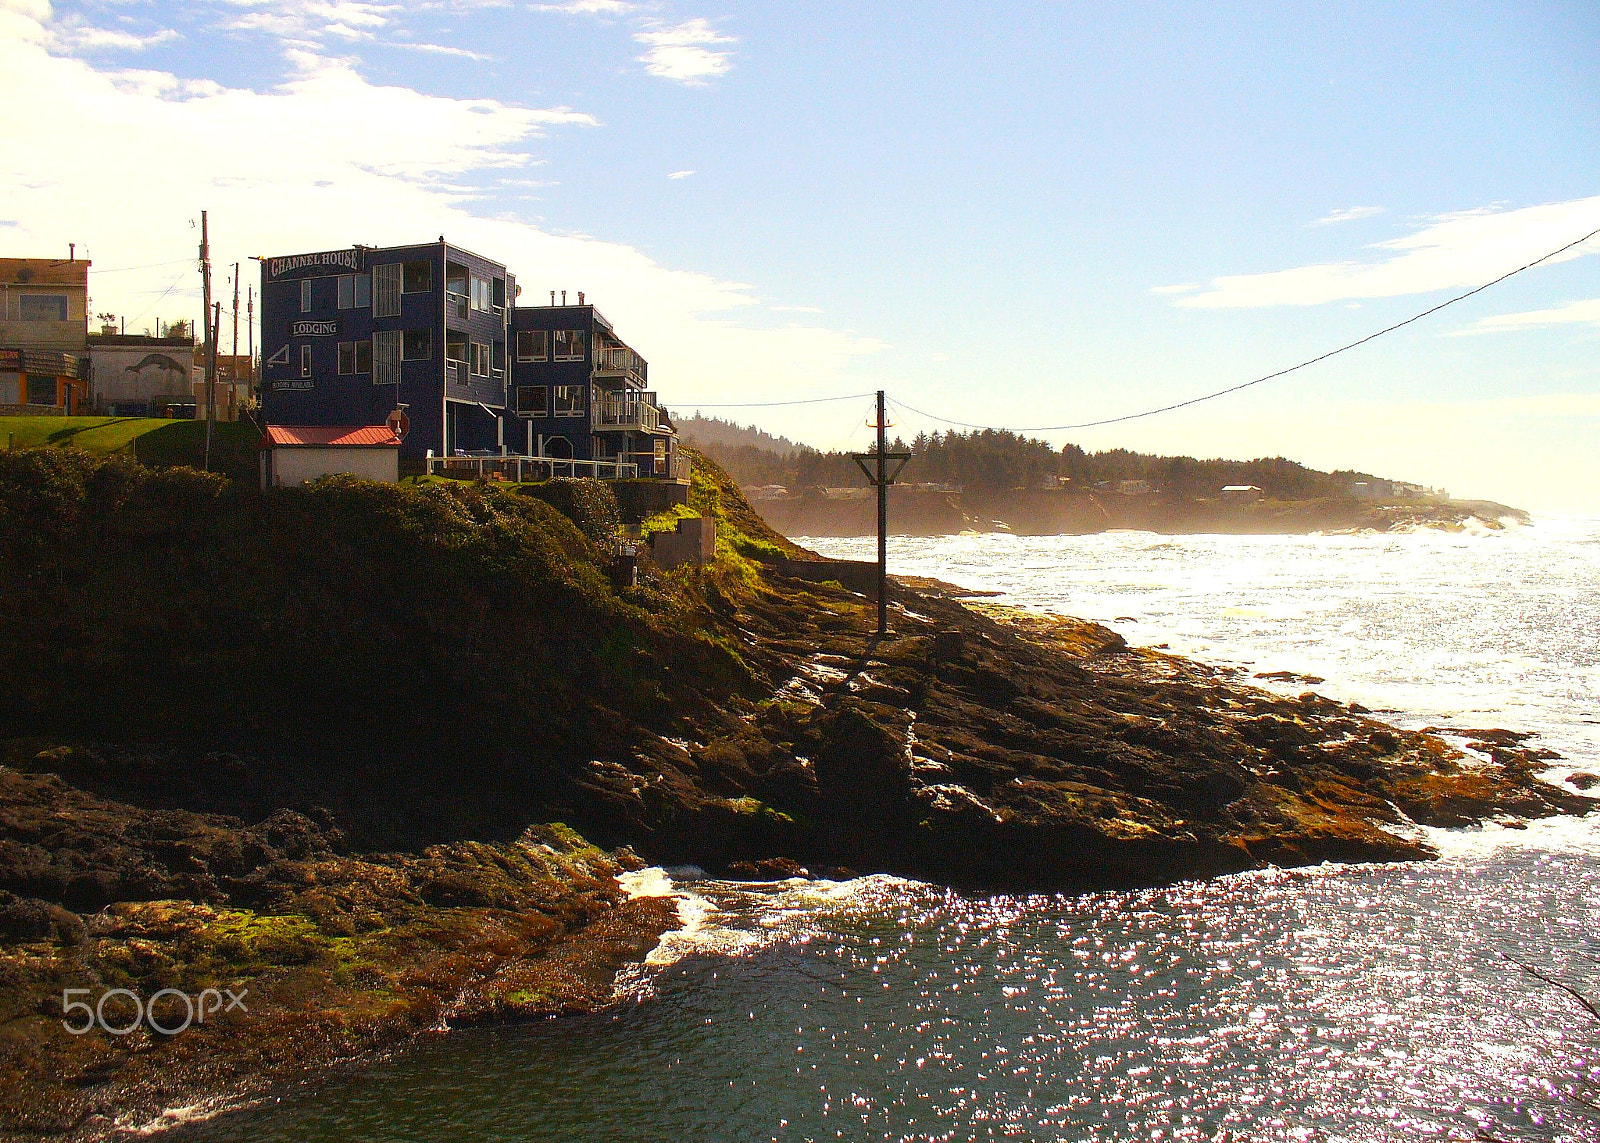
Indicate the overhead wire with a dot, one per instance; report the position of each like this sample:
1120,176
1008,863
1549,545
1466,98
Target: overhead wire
768,404
1270,376
164,293
146,266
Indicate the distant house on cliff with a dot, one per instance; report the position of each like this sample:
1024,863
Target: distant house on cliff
766,492
1371,489
1241,493
1134,488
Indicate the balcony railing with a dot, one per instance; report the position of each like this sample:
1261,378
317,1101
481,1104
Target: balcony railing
521,468
627,411
458,306
618,361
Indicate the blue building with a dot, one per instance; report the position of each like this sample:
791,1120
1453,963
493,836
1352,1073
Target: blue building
348,336
580,391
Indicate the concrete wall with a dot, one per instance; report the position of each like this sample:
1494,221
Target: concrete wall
637,499
291,467
694,541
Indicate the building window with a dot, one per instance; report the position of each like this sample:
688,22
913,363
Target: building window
44,307
482,294
386,357
533,345
499,356
478,355
569,345
355,357
41,390
386,290
417,277
569,400
305,296
418,345
355,291
533,400
305,360
499,293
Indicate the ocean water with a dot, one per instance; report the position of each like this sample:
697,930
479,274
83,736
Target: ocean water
1373,1002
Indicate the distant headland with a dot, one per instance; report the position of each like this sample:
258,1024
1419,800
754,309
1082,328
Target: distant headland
990,480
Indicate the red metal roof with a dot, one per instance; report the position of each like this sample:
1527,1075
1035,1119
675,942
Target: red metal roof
340,436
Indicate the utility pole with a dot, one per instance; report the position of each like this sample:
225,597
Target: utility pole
211,378
210,343
234,368
882,478
250,335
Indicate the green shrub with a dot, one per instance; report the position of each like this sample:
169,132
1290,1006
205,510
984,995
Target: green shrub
588,503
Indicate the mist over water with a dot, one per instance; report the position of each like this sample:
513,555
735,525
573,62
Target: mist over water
1337,1003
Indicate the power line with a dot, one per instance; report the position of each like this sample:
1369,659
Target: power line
146,266
1270,376
164,293
767,404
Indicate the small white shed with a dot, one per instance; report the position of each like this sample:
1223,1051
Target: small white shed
292,455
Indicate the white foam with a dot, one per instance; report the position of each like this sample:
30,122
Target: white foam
1563,834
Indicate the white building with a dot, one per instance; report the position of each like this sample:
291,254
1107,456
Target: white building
292,455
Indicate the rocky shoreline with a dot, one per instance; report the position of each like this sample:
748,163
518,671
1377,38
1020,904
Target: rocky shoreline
333,957
361,865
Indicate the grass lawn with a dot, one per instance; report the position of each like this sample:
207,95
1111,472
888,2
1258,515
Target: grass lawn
160,442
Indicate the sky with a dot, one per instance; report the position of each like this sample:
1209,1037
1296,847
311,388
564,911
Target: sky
1017,215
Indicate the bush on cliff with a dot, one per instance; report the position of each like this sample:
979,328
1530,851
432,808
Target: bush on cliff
588,503
464,626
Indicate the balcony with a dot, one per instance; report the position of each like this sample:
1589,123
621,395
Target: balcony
618,361
458,306
629,410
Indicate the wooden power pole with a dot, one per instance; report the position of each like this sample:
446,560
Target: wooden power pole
210,342
881,476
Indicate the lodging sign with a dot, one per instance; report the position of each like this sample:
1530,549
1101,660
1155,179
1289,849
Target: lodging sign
294,265
315,328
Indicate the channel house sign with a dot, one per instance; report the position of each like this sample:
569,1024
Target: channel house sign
334,259
315,328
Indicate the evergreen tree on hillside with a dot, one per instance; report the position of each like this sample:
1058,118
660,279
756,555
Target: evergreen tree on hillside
997,460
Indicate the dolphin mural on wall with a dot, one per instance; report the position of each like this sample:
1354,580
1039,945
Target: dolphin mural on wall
160,360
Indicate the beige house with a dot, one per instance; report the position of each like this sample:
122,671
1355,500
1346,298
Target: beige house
44,332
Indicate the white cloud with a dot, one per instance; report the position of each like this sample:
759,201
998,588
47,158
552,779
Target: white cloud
281,172
91,39
680,174
796,309
590,7
441,50
1180,288
308,22
1346,214
1452,251
681,52
1584,312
